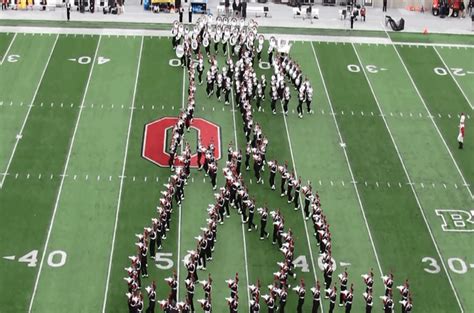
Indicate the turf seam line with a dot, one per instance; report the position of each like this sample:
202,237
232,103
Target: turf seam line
361,206
452,76
409,180
122,176
432,120
56,205
8,49
20,134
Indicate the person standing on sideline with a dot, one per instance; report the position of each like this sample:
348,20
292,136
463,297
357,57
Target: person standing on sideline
384,7
461,131
68,10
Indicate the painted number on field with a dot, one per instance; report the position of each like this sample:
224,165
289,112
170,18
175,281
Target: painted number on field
456,71
373,69
321,265
163,261
83,60
56,258
175,62
302,263
13,58
264,65
456,265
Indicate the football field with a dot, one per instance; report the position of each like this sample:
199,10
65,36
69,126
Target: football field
380,149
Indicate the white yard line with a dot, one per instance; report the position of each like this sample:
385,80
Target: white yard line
301,203
20,134
122,176
434,123
409,181
180,217
454,78
243,228
361,206
63,176
8,49
348,165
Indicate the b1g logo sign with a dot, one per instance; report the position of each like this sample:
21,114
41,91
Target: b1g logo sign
156,141
457,220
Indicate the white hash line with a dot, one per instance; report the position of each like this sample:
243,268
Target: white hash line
361,206
409,180
122,176
434,123
62,181
243,228
20,134
454,78
8,49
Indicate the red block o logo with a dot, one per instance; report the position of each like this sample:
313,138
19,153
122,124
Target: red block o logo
155,141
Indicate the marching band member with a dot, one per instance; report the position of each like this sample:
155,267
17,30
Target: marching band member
388,283
263,222
407,305
283,169
332,295
200,67
309,98
369,281
300,291
343,277
387,303
270,302
283,294
233,285
286,99
461,131
190,292
349,297
316,290
273,165
404,290
151,290
369,301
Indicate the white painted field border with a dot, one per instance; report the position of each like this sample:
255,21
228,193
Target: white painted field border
361,206
454,78
167,34
63,176
20,134
243,228
434,123
8,49
410,181
122,176
300,202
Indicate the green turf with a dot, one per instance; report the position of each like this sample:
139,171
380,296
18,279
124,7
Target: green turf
426,161
461,64
432,38
42,150
18,83
328,165
99,149
84,221
140,198
438,91
5,39
374,160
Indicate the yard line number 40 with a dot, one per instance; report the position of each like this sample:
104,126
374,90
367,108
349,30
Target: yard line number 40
56,258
